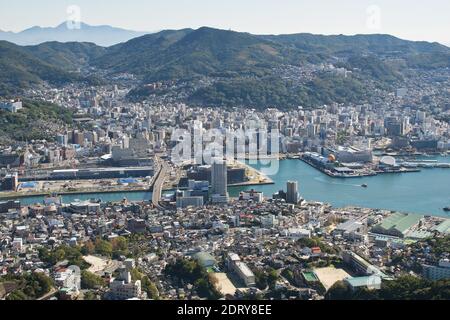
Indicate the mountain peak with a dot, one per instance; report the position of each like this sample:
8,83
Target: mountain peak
101,35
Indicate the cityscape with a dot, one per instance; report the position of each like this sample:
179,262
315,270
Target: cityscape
204,164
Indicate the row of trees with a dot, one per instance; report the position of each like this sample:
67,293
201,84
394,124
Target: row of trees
316,242
147,285
266,278
185,271
74,254
114,248
91,281
403,288
29,286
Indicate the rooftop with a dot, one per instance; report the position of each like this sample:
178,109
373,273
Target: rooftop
400,221
444,227
367,281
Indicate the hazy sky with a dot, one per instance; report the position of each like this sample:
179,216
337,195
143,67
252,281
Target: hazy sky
413,19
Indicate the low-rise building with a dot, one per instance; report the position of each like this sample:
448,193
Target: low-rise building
235,264
123,288
11,106
69,278
439,272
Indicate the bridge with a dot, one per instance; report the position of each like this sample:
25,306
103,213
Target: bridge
158,185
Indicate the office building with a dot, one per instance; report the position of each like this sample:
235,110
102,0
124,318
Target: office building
292,192
5,206
10,182
219,181
62,139
203,173
439,272
252,195
78,137
184,202
123,288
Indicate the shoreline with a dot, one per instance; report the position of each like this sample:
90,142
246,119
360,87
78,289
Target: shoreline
69,193
362,175
263,178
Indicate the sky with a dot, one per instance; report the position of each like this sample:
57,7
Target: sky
412,20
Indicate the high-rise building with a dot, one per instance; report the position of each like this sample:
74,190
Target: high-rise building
292,192
78,137
10,182
219,180
62,139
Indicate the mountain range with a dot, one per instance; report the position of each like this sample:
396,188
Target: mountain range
244,62
101,35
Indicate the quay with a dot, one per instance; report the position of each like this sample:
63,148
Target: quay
338,174
342,174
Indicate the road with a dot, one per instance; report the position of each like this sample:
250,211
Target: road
48,295
159,184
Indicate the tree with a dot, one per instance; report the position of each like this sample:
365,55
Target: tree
272,278
119,247
339,291
184,270
149,287
403,288
45,284
261,279
103,247
136,274
17,295
88,248
30,286
91,281
72,254
90,296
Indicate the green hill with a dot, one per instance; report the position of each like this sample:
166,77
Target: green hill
244,64
22,68
188,53
68,56
36,121
379,44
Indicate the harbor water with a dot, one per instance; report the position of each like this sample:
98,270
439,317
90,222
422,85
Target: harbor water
426,192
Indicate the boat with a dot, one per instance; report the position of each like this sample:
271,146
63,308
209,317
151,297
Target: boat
364,185
447,209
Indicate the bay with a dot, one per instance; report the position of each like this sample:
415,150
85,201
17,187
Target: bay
426,192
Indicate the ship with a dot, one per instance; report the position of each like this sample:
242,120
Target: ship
447,209
364,185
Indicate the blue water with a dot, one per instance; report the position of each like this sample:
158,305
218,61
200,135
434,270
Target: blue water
425,192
